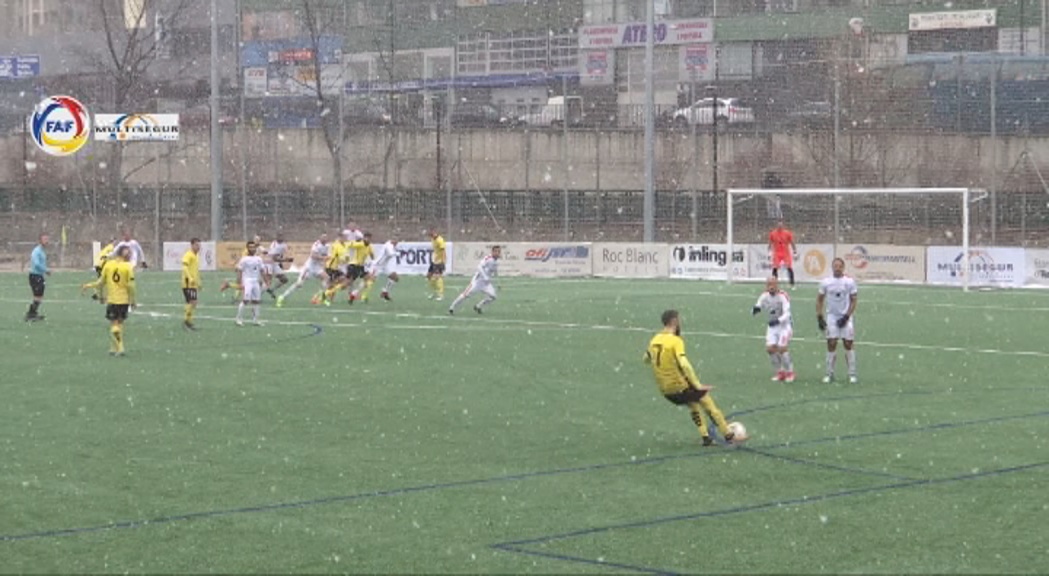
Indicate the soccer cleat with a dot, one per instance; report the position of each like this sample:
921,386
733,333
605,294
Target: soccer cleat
789,377
315,300
280,301
240,322
708,441
224,286
828,379
271,293
351,300
854,380
430,296
256,323
451,312
478,309
439,298
189,326
386,296
779,376
34,318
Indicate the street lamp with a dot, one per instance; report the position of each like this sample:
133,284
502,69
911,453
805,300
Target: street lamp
713,91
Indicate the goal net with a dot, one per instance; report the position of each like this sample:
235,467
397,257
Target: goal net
906,235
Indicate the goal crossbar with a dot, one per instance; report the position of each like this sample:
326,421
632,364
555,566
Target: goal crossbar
964,194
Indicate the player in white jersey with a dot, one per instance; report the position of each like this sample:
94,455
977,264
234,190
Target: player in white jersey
138,257
487,269
383,265
313,268
776,303
278,255
252,275
838,293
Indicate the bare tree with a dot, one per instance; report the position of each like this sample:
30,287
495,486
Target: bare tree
321,18
132,47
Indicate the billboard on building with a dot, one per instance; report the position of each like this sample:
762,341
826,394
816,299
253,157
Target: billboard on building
627,34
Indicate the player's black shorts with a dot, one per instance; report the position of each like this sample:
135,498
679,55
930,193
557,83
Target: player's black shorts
688,396
355,271
116,311
190,294
36,283
98,271
435,270
333,274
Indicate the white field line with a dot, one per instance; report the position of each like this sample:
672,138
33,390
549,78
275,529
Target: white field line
503,323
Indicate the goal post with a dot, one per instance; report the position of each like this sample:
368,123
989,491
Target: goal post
916,217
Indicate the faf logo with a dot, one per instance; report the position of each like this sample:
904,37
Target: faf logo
60,125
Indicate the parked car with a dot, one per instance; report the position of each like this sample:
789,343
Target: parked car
478,115
730,110
812,113
365,112
553,113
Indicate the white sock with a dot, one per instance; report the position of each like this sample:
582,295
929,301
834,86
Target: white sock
254,312
389,285
831,357
788,366
775,361
240,311
485,302
458,300
291,289
850,359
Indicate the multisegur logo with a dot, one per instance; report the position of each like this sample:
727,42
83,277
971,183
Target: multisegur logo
137,127
61,125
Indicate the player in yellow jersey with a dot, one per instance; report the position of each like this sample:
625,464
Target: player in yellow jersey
103,254
678,381
118,275
191,281
435,275
335,267
363,252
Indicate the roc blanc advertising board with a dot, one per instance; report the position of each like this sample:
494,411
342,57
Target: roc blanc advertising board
812,265
631,260
987,266
883,262
173,252
1036,269
539,259
707,261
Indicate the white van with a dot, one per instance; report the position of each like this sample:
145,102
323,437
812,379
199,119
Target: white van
553,112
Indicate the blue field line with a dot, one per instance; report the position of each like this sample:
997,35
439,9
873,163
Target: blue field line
815,464
127,524
581,560
517,546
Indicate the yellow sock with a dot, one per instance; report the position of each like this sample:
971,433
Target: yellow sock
712,409
440,285
367,288
118,338
189,313
113,338
699,418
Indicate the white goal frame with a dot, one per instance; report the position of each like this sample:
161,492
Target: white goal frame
964,193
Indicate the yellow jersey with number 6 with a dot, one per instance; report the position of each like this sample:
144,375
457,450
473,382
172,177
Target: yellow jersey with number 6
119,277
666,354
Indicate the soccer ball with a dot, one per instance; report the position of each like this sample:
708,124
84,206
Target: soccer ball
738,430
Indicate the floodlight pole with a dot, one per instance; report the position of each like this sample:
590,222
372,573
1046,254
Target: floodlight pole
216,134
649,211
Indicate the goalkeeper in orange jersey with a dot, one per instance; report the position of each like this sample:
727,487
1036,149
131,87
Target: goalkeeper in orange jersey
678,381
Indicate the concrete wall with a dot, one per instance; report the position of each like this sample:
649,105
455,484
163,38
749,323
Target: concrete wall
501,160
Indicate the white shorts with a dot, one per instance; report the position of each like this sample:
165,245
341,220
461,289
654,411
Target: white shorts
383,270
312,269
779,335
478,285
252,291
835,333
275,269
